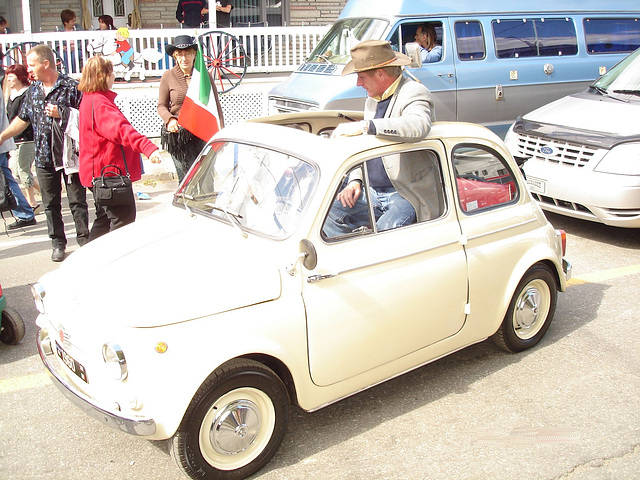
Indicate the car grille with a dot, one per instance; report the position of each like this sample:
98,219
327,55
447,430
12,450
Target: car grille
324,69
554,152
283,105
563,204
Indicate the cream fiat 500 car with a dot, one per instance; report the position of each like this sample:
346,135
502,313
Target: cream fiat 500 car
263,305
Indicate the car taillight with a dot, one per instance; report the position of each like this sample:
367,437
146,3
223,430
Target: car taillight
563,239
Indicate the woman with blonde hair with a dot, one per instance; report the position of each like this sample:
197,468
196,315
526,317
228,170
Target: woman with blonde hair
107,138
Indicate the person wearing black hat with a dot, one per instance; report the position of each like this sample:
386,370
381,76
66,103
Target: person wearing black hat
191,13
179,142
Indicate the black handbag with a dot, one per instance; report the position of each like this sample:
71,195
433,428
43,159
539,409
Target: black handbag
112,188
7,199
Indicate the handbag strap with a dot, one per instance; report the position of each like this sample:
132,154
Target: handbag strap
93,143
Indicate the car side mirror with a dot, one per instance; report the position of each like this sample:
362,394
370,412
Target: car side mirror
412,49
310,258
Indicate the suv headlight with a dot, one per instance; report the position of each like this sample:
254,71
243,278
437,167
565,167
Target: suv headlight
114,358
621,160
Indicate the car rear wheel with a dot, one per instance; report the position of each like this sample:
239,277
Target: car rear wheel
530,311
234,424
12,327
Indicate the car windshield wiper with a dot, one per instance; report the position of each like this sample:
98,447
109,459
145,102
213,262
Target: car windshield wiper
186,197
234,218
628,92
600,90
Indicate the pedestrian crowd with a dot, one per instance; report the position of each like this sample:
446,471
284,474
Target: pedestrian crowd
73,133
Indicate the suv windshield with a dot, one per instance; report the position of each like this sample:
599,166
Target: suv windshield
249,186
623,79
344,34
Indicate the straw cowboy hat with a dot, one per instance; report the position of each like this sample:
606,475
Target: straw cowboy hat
372,54
182,42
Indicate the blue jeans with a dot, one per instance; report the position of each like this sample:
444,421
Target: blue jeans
23,211
389,207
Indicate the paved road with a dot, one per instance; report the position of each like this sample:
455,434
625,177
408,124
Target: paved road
568,409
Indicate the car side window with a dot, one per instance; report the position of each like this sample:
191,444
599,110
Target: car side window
413,193
483,179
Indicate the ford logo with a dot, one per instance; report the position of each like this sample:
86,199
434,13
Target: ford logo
546,151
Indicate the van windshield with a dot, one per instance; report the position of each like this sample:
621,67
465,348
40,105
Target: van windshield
344,34
623,79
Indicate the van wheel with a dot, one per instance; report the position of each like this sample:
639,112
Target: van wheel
12,327
234,424
530,311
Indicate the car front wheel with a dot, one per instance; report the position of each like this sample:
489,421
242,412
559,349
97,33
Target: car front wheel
12,328
530,311
234,424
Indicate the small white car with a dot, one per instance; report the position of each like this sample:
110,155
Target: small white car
581,153
248,305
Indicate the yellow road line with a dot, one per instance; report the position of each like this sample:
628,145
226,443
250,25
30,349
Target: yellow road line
41,379
20,383
604,275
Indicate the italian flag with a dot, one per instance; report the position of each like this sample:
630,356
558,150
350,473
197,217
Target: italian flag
199,112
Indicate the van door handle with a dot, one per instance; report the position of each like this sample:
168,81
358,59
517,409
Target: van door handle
447,74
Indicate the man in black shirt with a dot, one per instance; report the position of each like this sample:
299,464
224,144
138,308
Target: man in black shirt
49,99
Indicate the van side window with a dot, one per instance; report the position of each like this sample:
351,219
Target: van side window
612,35
483,178
406,33
535,37
470,40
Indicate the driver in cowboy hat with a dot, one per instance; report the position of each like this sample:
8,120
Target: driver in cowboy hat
399,109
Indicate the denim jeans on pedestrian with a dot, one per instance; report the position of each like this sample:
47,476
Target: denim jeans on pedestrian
390,209
23,211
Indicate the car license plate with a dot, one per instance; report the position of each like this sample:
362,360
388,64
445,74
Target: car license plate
536,185
70,362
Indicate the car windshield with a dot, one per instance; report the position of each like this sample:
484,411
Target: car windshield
251,187
623,79
336,45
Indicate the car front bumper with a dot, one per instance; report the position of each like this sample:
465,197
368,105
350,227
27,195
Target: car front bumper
140,426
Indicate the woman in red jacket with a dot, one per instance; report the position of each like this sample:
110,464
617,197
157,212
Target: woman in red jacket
107,138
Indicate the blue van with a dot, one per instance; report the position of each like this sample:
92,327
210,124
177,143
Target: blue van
499,60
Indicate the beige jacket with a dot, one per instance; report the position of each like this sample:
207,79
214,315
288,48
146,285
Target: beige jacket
414,174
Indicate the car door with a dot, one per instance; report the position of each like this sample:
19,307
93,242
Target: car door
375,297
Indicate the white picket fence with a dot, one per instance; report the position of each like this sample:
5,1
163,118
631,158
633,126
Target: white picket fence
269,49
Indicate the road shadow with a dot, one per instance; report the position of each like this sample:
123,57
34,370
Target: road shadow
597,232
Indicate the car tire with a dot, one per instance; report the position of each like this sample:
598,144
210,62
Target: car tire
12,328
530,311
234,424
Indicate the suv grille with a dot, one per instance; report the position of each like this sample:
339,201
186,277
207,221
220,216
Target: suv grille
561,153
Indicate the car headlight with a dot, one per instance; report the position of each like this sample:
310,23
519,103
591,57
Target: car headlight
621,160
114,358
37,290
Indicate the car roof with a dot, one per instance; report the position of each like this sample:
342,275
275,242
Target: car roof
331,153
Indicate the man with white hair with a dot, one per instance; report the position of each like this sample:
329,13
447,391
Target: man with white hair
396,108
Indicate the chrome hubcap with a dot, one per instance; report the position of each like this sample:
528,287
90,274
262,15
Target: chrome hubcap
235,427
531,309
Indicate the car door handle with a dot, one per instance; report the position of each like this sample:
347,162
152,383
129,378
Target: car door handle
450,75
317,278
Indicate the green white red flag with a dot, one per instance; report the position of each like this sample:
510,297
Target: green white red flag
199,111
